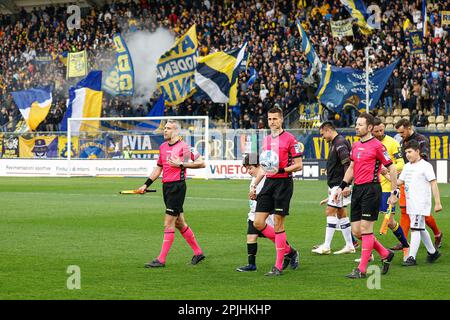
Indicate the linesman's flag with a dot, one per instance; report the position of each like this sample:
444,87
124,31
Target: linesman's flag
217,74
34,105
85,101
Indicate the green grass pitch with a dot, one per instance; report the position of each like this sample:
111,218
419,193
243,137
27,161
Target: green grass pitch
48,224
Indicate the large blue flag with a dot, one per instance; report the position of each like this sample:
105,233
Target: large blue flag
341,86
156,111
119,80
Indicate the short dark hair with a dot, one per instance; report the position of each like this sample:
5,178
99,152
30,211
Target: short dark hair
369,118
327,124
403,122
377,121
250,159
276,110
412,144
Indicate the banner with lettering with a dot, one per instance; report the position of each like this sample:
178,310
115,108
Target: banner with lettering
445,18
10,146
342,87
176,69
92,149
77,64
317,148
119,79
142,146
342,28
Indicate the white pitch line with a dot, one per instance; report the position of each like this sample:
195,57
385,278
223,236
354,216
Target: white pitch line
117,195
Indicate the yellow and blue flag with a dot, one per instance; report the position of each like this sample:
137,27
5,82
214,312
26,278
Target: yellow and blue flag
313,58
217,74
358,10
341,86
63,57
34,105
85,101
176,69
119,79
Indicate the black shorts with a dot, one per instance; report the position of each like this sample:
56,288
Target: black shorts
174,194
275,196
252,230
366,202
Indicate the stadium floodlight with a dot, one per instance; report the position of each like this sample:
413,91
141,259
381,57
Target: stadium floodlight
194,130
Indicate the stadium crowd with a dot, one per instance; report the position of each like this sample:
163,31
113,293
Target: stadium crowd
420,82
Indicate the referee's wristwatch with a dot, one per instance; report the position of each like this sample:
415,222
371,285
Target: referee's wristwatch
396,192
181,166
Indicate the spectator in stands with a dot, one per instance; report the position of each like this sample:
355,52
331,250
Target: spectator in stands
406,98
421,120
425,95
397,85
4,118
447,100
436,96
388,94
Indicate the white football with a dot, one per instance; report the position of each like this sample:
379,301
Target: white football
269,161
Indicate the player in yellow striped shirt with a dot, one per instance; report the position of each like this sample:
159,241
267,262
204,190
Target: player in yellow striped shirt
394,150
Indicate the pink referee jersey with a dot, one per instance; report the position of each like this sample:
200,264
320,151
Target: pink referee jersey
368,156
179,149
287,148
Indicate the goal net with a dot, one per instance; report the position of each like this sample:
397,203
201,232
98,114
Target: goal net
104,141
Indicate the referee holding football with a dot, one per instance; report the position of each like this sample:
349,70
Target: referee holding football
275,195
367,156
174,156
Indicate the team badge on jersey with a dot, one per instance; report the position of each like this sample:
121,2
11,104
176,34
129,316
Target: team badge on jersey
386,155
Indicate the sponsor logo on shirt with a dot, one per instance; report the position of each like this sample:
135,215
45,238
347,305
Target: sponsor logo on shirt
298,148
194,152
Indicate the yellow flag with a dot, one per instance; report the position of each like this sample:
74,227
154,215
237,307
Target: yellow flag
406,24
77,64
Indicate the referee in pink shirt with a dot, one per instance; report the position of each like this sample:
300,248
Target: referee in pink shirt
367,158
275,195
174,157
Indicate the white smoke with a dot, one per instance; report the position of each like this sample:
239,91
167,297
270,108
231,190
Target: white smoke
146,48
